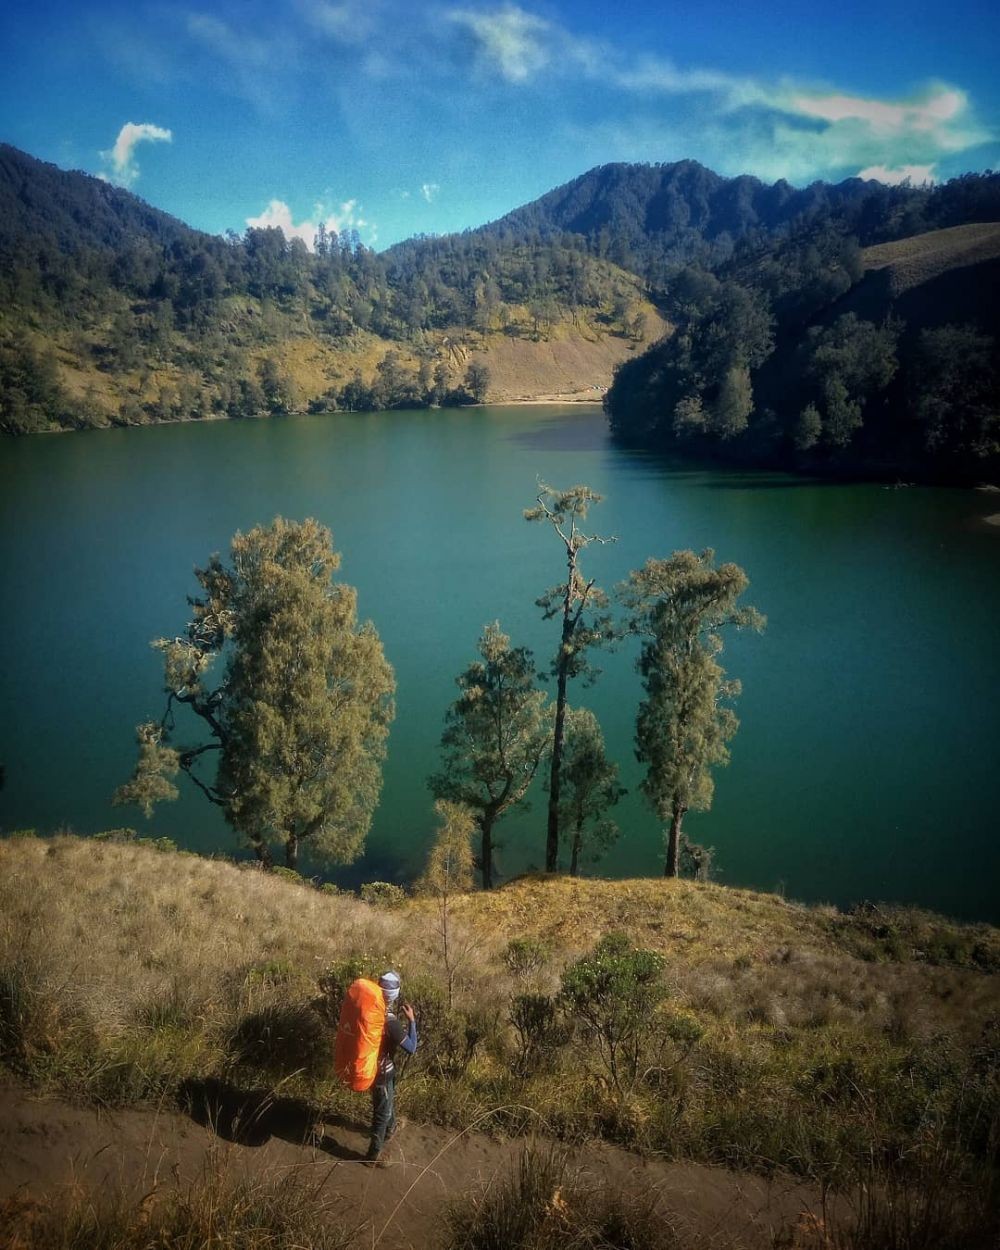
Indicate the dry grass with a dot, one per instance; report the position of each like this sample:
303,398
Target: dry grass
217,1212
126,972
923,257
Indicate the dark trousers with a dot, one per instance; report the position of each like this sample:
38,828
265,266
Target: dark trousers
383,1113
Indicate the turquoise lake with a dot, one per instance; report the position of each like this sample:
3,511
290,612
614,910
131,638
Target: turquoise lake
867,763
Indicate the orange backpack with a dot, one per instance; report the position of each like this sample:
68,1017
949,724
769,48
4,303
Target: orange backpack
359,1035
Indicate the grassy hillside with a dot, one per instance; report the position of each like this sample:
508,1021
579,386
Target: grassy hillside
790,1037
569,354
924,256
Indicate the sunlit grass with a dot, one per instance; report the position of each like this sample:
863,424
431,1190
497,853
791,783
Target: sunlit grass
792,1037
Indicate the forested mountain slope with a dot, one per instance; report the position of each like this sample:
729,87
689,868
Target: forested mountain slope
795,345
812,353
112,312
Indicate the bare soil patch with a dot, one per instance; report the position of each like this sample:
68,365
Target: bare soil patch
49,1148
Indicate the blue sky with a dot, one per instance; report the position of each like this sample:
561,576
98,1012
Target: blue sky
398,118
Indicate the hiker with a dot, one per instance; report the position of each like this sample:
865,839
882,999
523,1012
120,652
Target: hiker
396,1035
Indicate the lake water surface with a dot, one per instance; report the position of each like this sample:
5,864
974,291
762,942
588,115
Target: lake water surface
866,766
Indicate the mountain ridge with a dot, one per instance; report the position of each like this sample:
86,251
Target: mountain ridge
114,312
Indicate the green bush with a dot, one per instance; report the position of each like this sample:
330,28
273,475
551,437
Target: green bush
613,993
539,1031
289,874
383,894
282,1038
124,834
525,956
335,981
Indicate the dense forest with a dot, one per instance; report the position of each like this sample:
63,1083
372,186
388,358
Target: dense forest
797,339
864,339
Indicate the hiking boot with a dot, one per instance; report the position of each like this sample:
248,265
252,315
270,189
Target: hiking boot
376,1162
400,1123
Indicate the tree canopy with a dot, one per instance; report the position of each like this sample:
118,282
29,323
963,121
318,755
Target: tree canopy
297,724
495,735
583,623
678,607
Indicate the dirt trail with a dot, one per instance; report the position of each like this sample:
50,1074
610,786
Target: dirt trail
46,1145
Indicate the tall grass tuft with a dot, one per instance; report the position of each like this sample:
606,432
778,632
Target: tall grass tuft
541,1205
216,1212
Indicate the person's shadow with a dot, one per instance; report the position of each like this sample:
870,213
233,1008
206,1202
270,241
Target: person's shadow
252,1117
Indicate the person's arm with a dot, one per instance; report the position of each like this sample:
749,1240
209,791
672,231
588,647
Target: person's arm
409,1042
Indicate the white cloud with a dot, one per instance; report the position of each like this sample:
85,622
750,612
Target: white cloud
936,108
915,174
232,45
510,41
806,134
429,191
346,216
121,158
347,21
775,127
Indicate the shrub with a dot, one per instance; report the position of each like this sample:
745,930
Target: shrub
383,894
289,874
448,1038
525,956
613,992
535,1019
117,835
282,1038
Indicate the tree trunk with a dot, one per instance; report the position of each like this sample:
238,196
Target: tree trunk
574,863
672,866
486,853
291,852
558,733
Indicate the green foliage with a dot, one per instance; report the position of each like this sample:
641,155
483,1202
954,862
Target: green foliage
848,363
679,606
383,894
477,381
299,722
289,874
336,979
131,837
524,957
281,1038
579,605
954,390
538,1029
450,864
612,994
150,782
589,787
31,398
495,734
